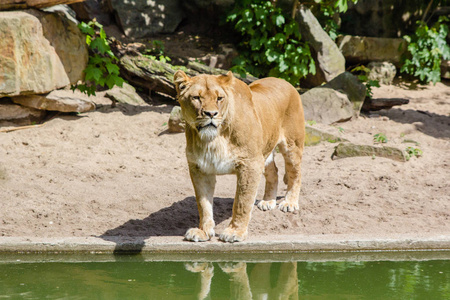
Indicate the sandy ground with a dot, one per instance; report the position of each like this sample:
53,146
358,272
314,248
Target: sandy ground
117,172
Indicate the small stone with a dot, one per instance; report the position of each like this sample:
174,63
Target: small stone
344,150
176,121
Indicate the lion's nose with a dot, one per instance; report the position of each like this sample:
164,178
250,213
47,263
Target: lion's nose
210,113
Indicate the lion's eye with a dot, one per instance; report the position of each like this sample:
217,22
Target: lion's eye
196,97
219,98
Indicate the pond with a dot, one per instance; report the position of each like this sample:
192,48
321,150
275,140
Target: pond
327,276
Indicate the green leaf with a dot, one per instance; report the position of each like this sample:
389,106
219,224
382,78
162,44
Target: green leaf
86,29
92,73
112,68
278,20
102,34
101,45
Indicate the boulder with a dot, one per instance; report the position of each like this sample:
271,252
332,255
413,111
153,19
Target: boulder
362,49
142,18
28,63
344,150
61,30
384,72
59,100
350,85
326,105
90,9
17,114
329,60
125,94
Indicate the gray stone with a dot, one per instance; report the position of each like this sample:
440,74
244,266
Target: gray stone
58,100
125,94
329,60
143,18
362,49
445,69
314,136
384,72
350,85
19,115
28,63
326,105
344,150
176,121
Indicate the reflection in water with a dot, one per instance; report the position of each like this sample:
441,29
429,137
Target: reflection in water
253,284
139,279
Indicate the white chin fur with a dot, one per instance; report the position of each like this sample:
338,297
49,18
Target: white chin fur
208,133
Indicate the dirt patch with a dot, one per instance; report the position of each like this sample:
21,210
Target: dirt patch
117,172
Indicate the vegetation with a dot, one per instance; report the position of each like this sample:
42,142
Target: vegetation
271,43
411,151
426,49
364,77
157,52
380,138
102,68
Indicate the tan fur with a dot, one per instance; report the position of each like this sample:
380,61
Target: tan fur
233,128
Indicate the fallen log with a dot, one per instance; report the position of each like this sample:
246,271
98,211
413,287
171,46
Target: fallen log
157,76
22,4
382,103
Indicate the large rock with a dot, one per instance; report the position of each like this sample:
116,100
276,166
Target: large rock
28,63
326,105
350,85
362,49
17,114
143,18
59,100
329,60
61,30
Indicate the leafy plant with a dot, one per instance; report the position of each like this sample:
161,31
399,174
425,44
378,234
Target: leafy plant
102,68
363,76
380,138
328,9
311,122
157,52
271,42
411,151
425,50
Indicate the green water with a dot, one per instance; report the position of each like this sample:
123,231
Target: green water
134,277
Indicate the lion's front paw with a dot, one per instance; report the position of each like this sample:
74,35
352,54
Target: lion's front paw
199,267
267,205
286,206
231,267
232,235
198,235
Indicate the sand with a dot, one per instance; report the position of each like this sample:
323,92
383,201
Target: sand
118,172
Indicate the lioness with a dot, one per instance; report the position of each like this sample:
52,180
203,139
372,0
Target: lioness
233,128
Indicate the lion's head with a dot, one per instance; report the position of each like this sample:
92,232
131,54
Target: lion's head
205,102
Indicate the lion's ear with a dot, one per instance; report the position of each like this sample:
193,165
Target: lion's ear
180,79
228,78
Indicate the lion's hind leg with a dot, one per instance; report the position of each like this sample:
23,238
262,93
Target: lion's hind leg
292,152
270,195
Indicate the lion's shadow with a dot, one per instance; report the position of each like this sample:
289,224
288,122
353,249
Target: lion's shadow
169,221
